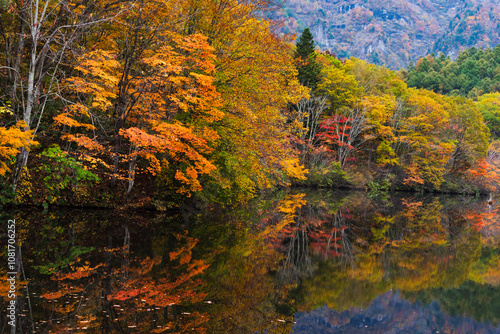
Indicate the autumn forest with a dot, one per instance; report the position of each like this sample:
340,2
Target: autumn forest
145,104
178,166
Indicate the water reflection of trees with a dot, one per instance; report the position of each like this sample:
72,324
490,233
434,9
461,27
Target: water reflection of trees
99,272
314,234
267,260
345,252
390,313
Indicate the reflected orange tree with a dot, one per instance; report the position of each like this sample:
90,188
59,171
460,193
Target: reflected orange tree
143,295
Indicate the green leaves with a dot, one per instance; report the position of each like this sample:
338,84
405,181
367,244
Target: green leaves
473,74
63,261
62,172
309,69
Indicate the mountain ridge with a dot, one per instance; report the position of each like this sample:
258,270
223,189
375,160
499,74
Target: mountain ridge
393,32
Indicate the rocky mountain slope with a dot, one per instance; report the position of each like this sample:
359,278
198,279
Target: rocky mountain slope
393,32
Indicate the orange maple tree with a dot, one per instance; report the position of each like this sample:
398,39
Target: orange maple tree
167,110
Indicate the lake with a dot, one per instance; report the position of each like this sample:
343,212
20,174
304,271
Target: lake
301,261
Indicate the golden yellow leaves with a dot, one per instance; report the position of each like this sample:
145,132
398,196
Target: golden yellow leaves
423,132
172,78
379,112
99,80
182,75
292,203
71,113
190,179
341,87
83,141
294,169
257,80
433,107
4,110
11,141
413,176
288,208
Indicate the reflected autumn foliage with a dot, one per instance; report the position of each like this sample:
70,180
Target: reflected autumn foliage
251,269
345,253
307,231
123,283
245,294
389,313
142,299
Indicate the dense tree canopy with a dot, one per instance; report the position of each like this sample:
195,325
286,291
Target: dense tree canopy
473,73
160,101
177,95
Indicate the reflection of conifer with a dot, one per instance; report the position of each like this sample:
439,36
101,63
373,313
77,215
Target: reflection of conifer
309,69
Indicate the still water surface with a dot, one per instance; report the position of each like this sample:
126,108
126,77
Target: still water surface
294,262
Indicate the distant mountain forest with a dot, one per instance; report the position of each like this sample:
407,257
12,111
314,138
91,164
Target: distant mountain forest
393,32
474,74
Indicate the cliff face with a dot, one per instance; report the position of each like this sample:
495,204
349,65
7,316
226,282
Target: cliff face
393,32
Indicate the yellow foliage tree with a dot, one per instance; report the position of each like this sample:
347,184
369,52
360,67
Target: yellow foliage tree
11,141
160,96
422,133
257,80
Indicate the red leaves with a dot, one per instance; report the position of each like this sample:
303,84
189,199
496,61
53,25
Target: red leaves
334,130
486,174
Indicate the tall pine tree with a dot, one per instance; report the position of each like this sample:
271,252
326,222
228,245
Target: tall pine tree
309,69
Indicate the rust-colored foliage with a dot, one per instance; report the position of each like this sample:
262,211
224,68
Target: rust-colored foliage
485,173
81,296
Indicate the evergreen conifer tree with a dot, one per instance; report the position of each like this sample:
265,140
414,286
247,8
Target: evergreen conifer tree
309,69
